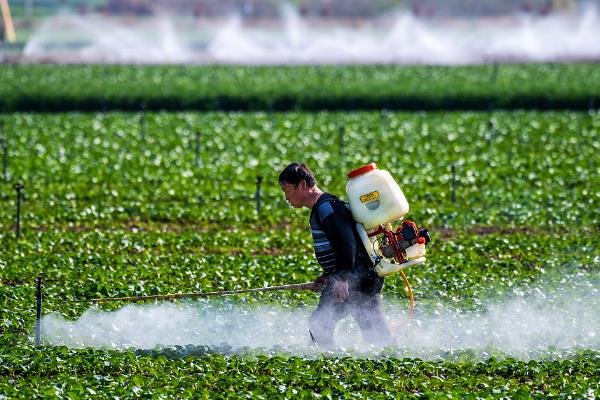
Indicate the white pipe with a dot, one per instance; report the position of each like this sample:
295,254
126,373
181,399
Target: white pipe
367,242
8,22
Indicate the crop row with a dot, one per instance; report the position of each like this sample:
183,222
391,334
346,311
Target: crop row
456,169
63,373
98,87
120,204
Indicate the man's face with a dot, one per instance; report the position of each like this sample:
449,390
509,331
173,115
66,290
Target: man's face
293,193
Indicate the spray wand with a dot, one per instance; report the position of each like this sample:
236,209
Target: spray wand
295,286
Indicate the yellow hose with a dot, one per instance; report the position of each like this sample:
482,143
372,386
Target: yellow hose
411,297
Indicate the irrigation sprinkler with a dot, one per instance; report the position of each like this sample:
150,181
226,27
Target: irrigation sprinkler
341,140
4,160
4,149
383,118
38,326
18,187
197,150
143,123
341,145
495,70
491,132
453,181
258,193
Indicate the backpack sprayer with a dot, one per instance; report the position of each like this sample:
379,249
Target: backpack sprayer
376,201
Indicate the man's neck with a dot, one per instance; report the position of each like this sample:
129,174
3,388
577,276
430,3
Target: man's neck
313,196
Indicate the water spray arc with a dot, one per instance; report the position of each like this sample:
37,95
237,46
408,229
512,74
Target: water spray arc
395,38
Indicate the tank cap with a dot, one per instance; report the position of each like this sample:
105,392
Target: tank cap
362,170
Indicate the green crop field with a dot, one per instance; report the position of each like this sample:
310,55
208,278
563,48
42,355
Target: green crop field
522,169
118,204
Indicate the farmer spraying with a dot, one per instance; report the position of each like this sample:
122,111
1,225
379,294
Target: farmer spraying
356,244
349,283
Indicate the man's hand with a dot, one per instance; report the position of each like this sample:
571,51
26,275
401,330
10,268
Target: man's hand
319,284
340,291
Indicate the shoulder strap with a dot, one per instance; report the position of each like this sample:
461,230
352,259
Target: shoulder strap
327,197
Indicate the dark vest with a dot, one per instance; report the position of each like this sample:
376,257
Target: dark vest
324,251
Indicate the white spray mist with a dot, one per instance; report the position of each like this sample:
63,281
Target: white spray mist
399,38
565,320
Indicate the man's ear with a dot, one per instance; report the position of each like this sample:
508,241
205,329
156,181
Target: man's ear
303,185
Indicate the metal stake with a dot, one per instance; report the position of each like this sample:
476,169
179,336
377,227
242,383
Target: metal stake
341,140
258,193
18,187
143,123
38,330
495,71
453,172
491,131
197,150
383,119
4,159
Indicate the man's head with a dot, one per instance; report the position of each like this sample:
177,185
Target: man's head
297,182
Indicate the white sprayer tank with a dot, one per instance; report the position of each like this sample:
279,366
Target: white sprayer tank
374,196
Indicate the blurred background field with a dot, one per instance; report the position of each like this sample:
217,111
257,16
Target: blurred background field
303,31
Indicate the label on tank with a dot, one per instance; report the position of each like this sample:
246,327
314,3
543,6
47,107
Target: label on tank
369,197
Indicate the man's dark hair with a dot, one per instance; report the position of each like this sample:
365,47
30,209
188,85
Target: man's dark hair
296,173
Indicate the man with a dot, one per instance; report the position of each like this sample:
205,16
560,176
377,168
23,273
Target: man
349,285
